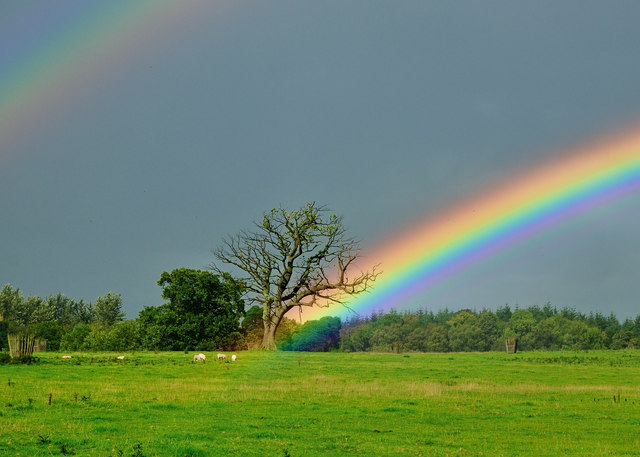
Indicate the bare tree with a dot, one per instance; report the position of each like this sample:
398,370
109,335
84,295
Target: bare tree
295,258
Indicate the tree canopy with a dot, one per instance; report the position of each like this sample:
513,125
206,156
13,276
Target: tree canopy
108,309
203,312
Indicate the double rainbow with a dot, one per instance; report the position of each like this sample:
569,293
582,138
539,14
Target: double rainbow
532,201
42,74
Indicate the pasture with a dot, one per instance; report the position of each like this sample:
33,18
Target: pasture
283,404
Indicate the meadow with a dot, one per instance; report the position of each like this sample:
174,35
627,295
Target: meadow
286,404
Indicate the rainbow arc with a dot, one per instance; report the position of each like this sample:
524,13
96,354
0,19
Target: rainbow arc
535,200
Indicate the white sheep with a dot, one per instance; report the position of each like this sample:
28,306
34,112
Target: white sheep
66,356
233,358
120,357
222,357
199,357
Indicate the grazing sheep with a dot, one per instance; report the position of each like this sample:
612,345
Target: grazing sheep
120,357
222,357
233,358
199,357
66,356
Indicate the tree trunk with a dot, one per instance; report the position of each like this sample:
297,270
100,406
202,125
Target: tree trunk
269,338
271,326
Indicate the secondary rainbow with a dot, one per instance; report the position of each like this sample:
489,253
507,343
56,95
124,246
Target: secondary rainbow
529,202
54,55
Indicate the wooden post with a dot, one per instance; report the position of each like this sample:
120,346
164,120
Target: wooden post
512,345
20,345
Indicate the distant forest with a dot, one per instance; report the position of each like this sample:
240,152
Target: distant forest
536,328
224,324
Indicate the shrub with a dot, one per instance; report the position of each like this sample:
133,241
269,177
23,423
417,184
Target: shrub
4,330
75,339
50,331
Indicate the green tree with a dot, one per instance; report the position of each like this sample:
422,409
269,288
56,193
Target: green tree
121,336
504,313
491,329
108,309
387,338
624,339
520,324
464,332
166,330
430,338
50,331
75,339
28,311
417,340
68,312
437,338
98,338
356,338
593,338
546,334
202,292
294,258
203,312
572,338
10,302
43,311
125,336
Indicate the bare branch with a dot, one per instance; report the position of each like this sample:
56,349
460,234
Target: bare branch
295,258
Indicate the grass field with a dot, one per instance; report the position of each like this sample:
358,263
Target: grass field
306,404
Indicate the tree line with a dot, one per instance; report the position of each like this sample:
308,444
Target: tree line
56,318
535,327
205,311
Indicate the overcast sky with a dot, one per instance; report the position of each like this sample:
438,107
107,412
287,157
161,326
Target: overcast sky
383,110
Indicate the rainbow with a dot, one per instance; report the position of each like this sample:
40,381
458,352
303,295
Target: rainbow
51,55
533,200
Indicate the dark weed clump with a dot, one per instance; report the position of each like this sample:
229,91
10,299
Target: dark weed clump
137,452
5,358
44,439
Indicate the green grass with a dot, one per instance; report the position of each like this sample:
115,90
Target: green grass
306,404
